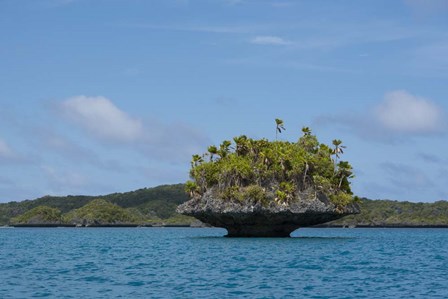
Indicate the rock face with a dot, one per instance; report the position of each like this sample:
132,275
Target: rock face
269,220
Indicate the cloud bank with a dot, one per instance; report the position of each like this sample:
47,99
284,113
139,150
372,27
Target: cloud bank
403,112
5,151
399,115
100,117
105,122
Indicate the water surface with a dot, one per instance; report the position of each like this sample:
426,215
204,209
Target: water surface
200,263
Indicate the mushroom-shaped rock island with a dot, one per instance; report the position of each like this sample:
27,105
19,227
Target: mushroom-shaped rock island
261,188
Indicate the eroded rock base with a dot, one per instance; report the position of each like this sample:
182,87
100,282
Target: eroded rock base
260,231
250,219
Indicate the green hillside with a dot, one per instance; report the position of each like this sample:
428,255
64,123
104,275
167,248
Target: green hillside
148,205
157,206
101,212
39,215
397,213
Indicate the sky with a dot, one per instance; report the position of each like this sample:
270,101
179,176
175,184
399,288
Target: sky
103,96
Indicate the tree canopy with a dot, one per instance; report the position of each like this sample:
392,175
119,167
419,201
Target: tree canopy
39,214
261,170
153,205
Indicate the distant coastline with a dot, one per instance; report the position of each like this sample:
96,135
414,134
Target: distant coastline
156,207
206,226
380,226
43,225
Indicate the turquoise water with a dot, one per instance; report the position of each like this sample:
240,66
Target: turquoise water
200,263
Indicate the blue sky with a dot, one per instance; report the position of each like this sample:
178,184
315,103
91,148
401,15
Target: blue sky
110,96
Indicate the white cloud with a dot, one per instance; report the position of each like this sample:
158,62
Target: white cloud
100,117
401,182
397,118
71,150
64,179
5,151
174,142
58,180
269,40
405,178
237,29
403,112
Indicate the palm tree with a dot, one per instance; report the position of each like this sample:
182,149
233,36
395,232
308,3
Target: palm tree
279,127
196,160
338,149
191,188
306,131
345,170
213,150
224,148
241,145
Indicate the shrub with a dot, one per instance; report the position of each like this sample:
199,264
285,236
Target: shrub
261,170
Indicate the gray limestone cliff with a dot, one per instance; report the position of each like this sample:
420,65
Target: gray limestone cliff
272,219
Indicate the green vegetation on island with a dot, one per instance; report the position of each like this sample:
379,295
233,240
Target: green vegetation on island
157,206
39,215
251,171
147,206
391,213
100,212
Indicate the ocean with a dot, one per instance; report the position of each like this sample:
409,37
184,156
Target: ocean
201,263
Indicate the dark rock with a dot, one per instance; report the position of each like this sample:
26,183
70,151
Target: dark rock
246,219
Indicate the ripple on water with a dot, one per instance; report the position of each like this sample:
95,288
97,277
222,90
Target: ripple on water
201,263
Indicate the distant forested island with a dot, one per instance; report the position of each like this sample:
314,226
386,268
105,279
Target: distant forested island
147,206
157,207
